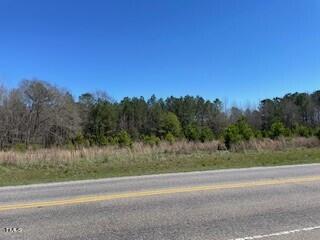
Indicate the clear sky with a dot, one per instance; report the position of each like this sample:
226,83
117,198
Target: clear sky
240,50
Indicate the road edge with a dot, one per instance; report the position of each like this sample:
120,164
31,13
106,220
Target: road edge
112,179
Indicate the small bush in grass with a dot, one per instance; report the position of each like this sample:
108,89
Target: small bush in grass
265,134
113,140
278,129
232,135
124,139
20,147
206,134
244,129
302,131
69,145
237,132
258,134
102,140
151,140
169,138
192,132
80,140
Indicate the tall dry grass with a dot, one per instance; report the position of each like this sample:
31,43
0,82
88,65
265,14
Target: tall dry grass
56,156
276,144
142,152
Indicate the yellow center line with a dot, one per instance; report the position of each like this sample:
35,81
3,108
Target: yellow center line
125,195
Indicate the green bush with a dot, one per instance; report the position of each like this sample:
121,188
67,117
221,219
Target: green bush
302,131
244,129
265,133
69,145
151,140
102,140
192,132
232,135
258,134
20,147
170,138
206,134
278,129
169,122
80,140
237,132
124,139
113,140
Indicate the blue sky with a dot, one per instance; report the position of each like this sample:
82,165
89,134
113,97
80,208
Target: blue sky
239,50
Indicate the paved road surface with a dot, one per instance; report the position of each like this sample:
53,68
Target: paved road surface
260,203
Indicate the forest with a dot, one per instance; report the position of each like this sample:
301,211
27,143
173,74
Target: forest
37,113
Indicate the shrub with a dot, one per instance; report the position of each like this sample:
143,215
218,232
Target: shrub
20,147
192,132
170,123
206,134
170,138
302,131
265,133
151,140
102,140
232,135
237,132
244,129
258,134
113,140
277,130
80,140
124,139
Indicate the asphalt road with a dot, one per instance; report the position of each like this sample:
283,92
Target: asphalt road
259,203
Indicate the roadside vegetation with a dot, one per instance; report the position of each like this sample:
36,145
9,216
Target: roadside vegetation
59,164
47,135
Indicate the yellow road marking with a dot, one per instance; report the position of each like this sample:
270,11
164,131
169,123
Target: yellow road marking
107,197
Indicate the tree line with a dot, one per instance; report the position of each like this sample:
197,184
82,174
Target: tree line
39,113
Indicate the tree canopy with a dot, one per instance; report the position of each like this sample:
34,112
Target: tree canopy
38,113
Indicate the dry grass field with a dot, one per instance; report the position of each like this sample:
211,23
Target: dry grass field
58,164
